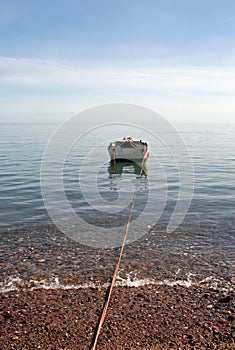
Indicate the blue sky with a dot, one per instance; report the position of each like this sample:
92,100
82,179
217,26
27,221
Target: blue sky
174,56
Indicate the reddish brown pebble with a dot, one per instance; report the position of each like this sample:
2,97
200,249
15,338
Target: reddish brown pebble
215,329
222,320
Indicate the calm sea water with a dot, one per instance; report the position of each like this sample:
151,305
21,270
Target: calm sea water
87,168
212,148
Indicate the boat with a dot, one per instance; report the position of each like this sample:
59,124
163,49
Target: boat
128,149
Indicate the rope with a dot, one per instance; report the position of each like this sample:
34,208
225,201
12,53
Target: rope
104,312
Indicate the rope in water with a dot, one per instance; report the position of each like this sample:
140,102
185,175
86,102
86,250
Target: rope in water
104,312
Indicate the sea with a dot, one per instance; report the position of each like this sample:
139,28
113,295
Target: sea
64,207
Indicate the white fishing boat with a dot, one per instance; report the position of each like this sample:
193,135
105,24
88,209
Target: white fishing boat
128,149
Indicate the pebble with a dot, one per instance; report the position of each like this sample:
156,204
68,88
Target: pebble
215,329
15,337
222,320
226,299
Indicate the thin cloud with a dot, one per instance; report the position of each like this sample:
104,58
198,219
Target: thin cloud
58,76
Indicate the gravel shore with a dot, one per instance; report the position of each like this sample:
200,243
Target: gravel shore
148,317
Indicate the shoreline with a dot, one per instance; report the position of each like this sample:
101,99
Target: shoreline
17,283
146,317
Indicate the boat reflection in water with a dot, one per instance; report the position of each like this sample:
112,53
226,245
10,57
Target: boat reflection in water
127,167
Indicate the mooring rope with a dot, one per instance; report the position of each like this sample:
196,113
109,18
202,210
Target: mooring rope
104,312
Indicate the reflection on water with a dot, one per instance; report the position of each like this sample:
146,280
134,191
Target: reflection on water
211,149
127,167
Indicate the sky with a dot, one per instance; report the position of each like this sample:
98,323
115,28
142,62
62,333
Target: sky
176,57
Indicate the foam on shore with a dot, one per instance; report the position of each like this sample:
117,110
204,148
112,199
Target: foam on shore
17,283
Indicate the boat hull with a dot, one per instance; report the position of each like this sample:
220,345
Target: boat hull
127,150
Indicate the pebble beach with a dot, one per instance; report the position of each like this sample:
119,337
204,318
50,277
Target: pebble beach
147,317
53,290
